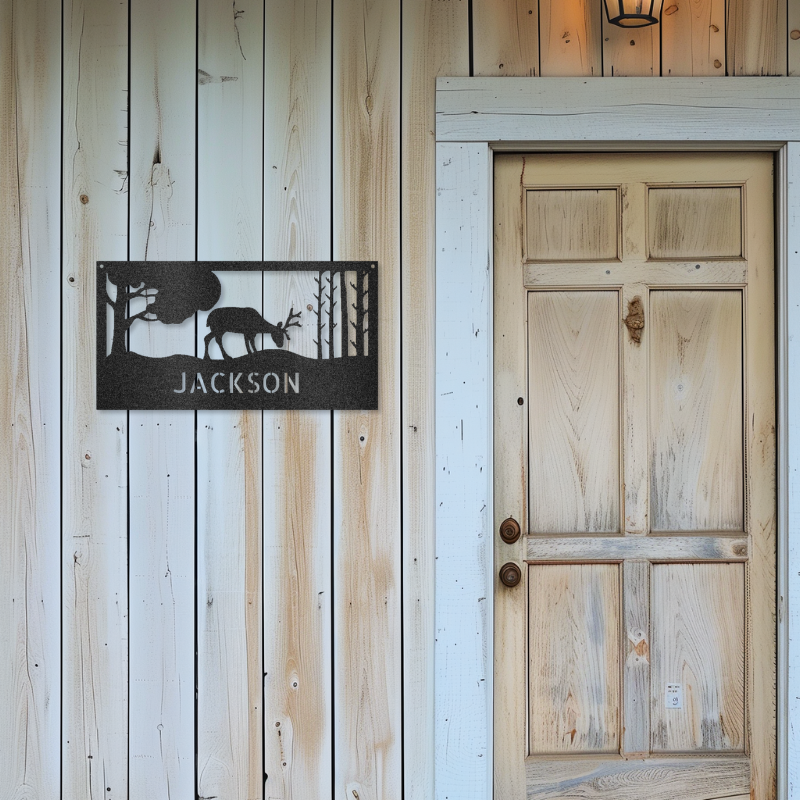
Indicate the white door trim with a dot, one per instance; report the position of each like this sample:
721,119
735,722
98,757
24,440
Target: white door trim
476,116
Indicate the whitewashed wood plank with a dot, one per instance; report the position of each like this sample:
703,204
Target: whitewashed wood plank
94,448
366,535
30,285
505,37
435,42
643,109
636,668
616,273
791,464
652,548
464,585
161,444
229,448
654,778
298,623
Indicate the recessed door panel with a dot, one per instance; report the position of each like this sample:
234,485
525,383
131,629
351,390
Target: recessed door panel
574,641
574,411
697,460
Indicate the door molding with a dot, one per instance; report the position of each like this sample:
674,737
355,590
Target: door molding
475,117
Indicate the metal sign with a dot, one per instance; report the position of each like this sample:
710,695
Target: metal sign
171,335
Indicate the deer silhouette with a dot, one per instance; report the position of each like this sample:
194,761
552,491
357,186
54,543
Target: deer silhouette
249,323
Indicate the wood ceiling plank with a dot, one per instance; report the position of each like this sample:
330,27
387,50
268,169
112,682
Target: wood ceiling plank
571,41
693,38
757,35
505,38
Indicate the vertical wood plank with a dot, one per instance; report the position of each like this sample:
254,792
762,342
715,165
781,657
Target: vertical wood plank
94,445
298,656
366,214
693,37
793,29
791,414
435,42
505,38
756,34
570,38
229,447
30,86
634,52
463,647
161,444
636,669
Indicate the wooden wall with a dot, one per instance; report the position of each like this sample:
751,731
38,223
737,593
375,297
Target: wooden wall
240,605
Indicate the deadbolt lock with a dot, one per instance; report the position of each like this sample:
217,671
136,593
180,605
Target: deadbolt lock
510,531
510,574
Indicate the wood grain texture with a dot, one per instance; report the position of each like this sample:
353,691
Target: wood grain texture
573,407
633,111
505,39
298,622
613,273
789,404
94,632
511,460
571,224
694,222
654,778
631,51
697,462
230,750
161,444
652,548
30,683
366,535
693,38
435,42
756,34
793,30
636,667
570,38
698,641
574,647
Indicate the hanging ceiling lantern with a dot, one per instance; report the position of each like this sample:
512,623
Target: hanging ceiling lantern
633,13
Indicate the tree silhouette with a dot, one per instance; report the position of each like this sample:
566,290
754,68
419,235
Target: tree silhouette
172,294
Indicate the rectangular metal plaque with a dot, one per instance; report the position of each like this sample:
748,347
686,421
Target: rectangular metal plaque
177,335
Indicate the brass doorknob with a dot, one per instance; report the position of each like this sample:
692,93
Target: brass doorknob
510,574
510,531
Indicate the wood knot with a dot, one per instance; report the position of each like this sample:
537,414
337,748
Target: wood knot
84,198
795,35
671,10
634,322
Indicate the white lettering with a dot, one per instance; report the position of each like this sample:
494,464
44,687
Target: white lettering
277,383
287,382
198,380
213,382
183,385
254,383
235,383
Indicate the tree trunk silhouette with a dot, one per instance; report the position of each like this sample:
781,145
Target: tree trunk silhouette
344,334
358,307
118,343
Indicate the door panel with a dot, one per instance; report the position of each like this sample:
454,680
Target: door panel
574,388
695,222
696,469
571,225
698,645
634,443
574,678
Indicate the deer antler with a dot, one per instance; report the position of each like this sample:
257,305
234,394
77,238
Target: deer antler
289,323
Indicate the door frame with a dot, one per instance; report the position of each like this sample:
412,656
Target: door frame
476,117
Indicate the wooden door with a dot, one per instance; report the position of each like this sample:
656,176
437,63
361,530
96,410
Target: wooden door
635,445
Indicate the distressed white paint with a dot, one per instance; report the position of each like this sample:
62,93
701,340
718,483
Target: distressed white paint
463,635
789,499
605,115
161,443
560,110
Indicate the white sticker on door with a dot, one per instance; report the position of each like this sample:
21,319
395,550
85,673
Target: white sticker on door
673,695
